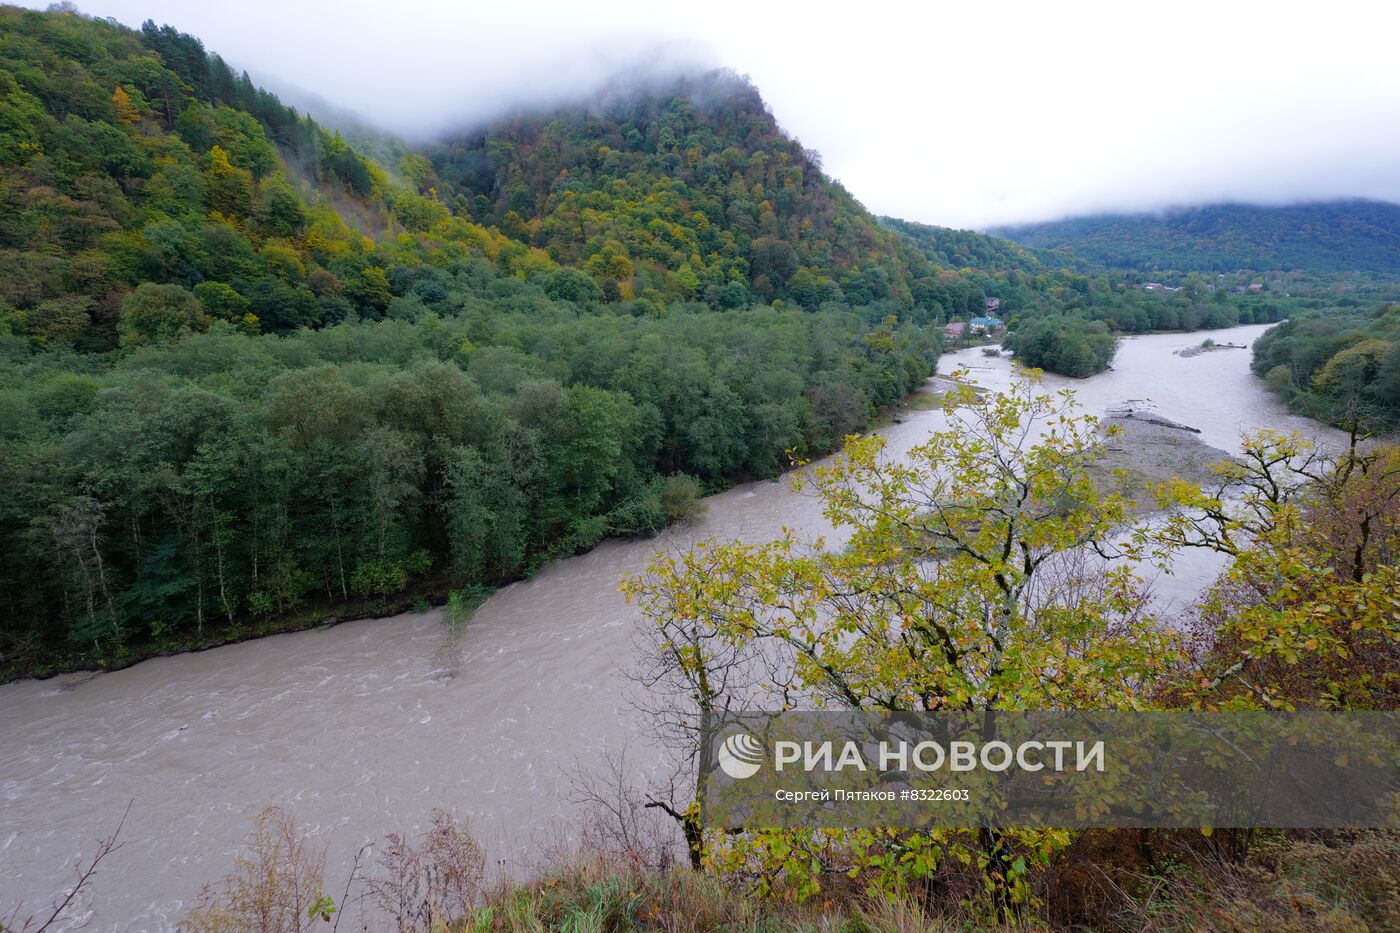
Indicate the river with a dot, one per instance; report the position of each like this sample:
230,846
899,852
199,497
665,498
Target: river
362,729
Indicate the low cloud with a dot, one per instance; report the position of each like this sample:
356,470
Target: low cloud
965,117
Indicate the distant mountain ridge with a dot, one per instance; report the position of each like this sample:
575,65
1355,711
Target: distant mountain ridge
1358,236
968,249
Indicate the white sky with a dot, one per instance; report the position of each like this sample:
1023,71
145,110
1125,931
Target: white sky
965,114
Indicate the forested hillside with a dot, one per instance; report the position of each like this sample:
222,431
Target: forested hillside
1321,238
690,192
248,373
966,249
137,157
133,158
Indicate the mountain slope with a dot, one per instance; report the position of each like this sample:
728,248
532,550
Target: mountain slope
1322,238
688,192
131,158
967,249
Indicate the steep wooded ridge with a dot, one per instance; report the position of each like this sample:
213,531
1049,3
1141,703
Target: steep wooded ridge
690,191
1357,236
136,157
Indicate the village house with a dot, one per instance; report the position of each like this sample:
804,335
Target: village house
985,325
1159,287
954,330
993,305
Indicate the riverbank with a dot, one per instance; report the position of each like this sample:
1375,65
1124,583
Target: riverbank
430,591
1144,451
419,595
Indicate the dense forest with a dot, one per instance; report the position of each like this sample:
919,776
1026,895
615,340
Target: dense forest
1322,238
690,193
1340,367
180,486
248,368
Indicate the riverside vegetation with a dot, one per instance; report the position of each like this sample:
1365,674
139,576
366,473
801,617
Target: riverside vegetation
1343,368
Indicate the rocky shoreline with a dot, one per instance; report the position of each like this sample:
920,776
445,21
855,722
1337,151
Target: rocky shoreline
1148,449
1209,348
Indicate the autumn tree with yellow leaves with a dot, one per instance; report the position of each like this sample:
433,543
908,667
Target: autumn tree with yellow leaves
987,570
972,576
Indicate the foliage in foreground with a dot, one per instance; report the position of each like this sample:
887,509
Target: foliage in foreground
972,577
1301,884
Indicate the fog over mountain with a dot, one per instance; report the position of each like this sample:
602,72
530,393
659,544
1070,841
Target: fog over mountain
963,117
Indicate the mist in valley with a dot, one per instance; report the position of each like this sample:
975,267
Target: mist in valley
960,117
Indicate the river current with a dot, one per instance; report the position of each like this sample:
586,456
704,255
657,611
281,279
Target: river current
363,728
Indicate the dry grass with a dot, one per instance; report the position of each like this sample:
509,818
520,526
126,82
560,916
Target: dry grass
1343,883
1288,883
1109,880
595,895
276,887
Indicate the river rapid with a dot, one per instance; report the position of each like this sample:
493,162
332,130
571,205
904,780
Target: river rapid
363,728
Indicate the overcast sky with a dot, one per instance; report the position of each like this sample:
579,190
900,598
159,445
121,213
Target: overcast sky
965,114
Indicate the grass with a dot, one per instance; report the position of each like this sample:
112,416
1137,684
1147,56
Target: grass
1334,882
1233,881
1290,883
596,896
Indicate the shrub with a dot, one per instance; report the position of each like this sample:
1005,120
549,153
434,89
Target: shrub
681,497
275,888
432,884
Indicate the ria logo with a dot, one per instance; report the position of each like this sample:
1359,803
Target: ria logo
740,756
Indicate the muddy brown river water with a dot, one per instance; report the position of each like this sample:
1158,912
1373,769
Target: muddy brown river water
364,728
